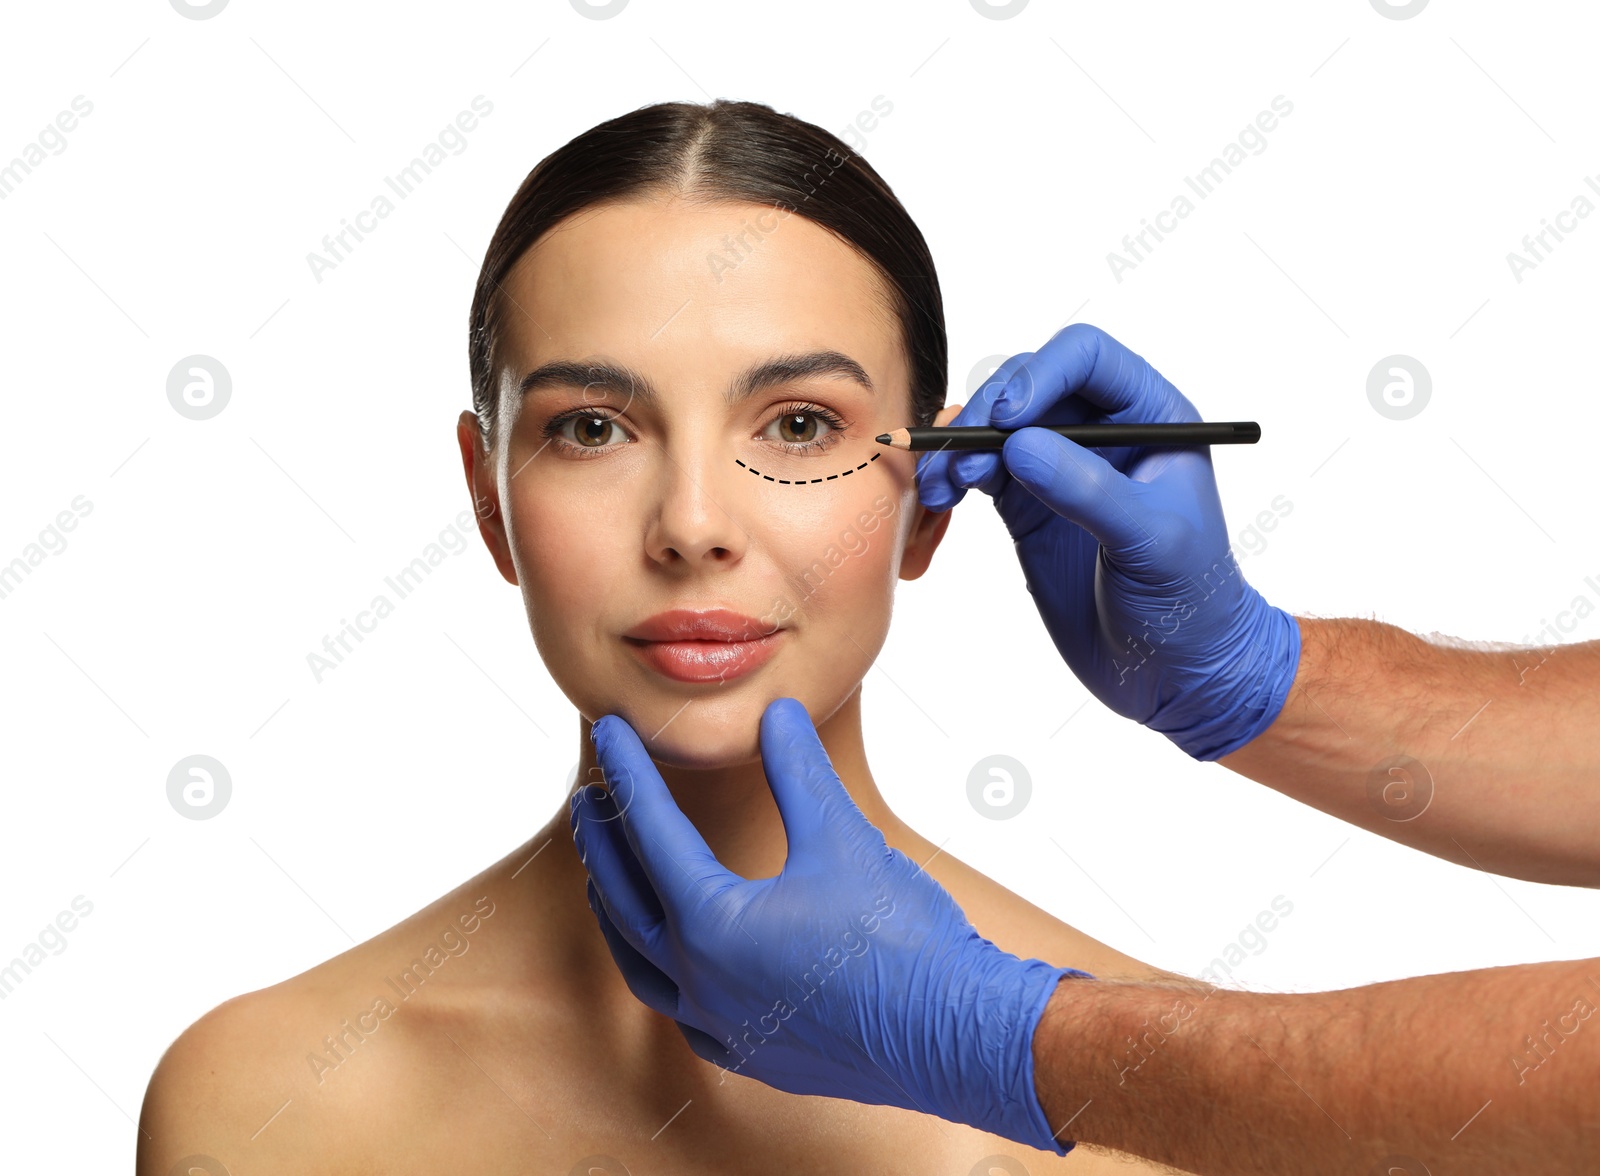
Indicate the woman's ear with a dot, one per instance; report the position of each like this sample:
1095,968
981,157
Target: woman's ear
927,527
485,494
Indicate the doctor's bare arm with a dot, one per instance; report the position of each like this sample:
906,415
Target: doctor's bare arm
1486,758
1492,1071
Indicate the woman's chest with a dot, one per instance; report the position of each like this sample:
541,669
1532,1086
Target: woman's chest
598,1122
602,1096
582,1145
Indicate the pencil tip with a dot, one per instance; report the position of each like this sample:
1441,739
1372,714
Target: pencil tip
885,439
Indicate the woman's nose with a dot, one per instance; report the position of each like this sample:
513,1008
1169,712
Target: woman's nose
697,515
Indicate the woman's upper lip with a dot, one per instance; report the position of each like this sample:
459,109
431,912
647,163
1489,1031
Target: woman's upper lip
716,624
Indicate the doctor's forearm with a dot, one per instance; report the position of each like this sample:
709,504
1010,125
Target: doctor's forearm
1491,1071
1509,776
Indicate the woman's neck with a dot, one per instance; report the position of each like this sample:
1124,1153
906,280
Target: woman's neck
733,807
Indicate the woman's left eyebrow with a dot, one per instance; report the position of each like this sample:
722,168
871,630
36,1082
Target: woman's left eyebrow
624,381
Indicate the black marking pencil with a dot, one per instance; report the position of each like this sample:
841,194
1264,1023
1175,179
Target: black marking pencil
1177,433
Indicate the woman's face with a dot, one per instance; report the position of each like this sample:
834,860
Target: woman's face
708,444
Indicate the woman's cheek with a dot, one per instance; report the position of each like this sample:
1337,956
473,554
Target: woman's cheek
847,567
562,564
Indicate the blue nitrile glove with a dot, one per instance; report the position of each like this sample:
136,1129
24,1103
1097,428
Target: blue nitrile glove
851,974
1125,550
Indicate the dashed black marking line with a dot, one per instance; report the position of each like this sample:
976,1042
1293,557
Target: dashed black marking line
811,481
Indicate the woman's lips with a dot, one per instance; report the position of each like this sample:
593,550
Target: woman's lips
705,661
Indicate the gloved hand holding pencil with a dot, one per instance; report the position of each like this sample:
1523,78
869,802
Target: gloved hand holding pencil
1125,550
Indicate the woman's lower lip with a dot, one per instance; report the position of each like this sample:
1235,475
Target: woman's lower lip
706,661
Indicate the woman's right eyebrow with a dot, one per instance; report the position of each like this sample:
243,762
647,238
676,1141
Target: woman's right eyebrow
625,381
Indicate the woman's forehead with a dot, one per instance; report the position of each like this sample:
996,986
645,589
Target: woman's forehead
730,281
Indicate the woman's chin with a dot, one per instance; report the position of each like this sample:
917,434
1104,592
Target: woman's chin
703,757
706,744
700,734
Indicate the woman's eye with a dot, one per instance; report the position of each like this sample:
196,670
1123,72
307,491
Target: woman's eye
586,431
803,428
586,434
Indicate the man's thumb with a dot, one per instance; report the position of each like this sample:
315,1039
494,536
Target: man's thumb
813,803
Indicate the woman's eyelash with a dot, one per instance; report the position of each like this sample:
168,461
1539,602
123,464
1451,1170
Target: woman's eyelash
554,427
836,427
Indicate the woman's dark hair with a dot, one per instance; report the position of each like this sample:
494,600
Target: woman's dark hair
740,151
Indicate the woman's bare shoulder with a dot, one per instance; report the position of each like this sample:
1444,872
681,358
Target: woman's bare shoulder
235,1085
305,1075
1027,930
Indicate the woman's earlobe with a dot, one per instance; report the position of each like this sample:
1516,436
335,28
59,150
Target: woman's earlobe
927,532
491,526
476,465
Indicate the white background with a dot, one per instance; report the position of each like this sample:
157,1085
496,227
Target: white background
177,620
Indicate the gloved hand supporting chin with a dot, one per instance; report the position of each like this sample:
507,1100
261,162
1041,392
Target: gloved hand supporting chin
851,974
